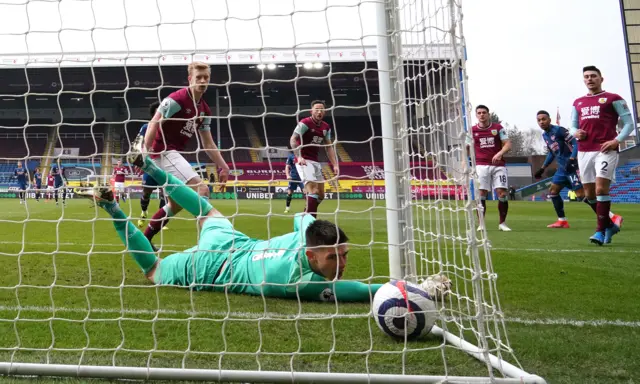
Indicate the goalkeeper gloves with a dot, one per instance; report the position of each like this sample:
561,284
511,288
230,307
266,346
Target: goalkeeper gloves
538,174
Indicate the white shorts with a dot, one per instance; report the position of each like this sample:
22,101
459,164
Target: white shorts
597,164
50,187
172,162
492,175
119,186
311,172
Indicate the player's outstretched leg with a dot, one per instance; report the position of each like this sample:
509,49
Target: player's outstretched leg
139,247
175,188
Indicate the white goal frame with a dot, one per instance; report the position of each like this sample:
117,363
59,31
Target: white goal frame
401,243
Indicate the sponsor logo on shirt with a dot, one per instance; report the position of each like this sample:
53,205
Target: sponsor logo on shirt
268,255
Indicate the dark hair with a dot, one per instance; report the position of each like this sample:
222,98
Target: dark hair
153,107
543,112
314,102
324,233
591,68
481,106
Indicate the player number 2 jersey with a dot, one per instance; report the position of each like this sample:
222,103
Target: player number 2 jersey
184,116
598,115
487,143
312,136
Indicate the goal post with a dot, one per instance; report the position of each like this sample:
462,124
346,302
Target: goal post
82,322
440,129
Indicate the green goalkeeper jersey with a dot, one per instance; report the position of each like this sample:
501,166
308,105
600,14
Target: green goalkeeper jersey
277,267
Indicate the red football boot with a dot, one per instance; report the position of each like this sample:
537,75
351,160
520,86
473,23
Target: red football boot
617,220
559,224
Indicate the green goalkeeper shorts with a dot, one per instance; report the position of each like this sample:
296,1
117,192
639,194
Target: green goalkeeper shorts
199,266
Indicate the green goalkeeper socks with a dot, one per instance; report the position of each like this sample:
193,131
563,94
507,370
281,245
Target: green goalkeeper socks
135,241
177,190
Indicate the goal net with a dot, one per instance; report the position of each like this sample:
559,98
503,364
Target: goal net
79,79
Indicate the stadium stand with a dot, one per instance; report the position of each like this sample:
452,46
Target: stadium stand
627,186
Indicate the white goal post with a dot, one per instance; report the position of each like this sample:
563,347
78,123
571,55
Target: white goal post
417,50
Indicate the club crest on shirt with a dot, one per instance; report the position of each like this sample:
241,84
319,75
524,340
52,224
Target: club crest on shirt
602,100
494,132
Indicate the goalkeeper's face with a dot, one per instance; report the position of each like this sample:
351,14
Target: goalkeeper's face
328,262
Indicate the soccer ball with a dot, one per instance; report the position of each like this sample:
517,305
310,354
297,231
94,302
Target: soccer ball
404,310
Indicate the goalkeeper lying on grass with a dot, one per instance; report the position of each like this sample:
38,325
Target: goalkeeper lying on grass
299,264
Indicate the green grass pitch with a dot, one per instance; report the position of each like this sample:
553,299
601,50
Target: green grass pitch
571,308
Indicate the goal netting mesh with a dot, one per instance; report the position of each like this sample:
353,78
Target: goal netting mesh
77,79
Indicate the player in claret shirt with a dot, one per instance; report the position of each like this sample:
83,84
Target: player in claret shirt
50,187
21,177
594,119
491,143
309,135
563,148
179,116
119,175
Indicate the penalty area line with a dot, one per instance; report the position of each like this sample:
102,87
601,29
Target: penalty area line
281,316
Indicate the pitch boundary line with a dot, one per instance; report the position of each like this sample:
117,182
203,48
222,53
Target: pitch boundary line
281,316
577,250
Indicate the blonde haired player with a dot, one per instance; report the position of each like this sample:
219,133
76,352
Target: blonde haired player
179,117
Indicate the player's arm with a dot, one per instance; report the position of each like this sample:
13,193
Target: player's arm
624,113
296,138
547,161
167,108
506,146
331,152
468,142
341,291
575,130
574,146
210,146
287,170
